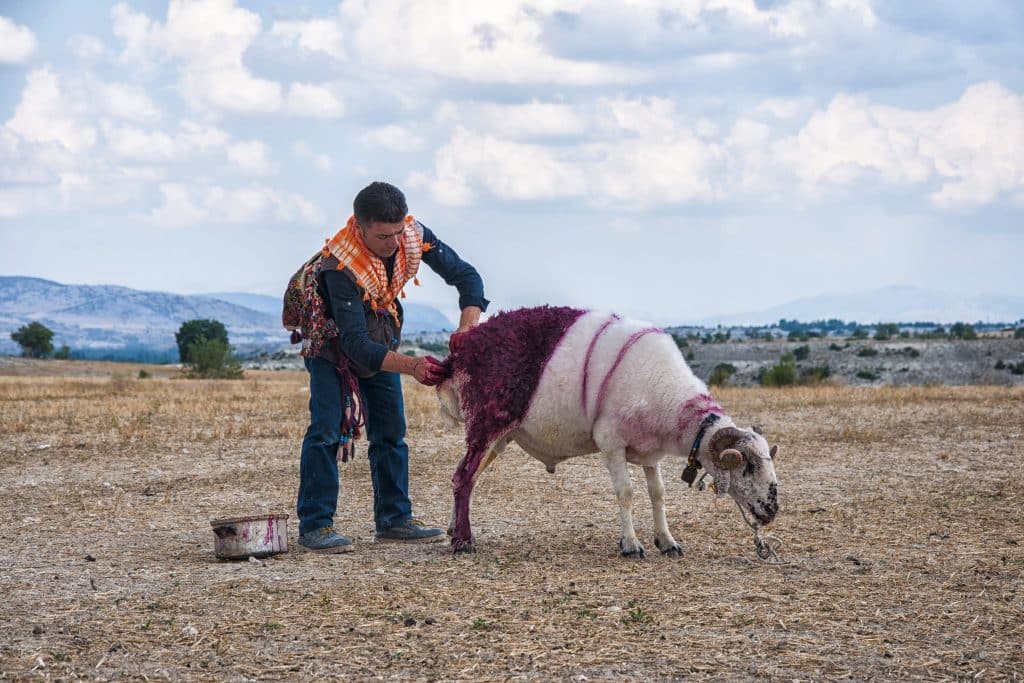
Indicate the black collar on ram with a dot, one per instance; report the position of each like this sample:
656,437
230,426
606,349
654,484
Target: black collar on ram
692,463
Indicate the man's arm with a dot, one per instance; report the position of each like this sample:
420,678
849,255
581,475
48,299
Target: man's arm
444,261
354,339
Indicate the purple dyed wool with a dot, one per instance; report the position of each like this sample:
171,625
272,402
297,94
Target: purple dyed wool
499,365
498,368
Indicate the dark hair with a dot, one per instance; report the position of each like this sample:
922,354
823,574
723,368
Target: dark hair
379,203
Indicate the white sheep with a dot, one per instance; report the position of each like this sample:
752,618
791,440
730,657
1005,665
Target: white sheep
562,382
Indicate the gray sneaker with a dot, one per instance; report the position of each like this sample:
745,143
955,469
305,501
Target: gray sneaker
325,540
409,531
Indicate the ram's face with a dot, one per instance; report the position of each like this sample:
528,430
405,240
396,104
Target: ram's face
742,465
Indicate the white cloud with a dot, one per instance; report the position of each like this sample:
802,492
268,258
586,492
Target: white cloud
395,138
209,38
508,170
249,157
317,35
531,120
973,148
17,43
46,114
305,99
185,206
129,102
321,161
86,48
492,42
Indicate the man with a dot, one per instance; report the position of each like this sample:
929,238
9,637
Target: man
359,282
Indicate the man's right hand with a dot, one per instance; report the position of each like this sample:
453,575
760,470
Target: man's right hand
429,371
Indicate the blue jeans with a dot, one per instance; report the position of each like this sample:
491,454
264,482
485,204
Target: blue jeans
384,408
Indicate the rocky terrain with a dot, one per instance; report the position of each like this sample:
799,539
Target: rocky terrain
904,362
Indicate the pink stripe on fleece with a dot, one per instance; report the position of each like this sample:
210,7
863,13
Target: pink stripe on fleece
696,409
586,362
633,339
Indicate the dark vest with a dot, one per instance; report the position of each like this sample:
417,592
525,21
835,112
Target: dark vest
380,325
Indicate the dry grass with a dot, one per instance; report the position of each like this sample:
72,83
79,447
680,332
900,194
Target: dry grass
901,517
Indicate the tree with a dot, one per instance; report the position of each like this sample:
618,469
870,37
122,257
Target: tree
193,332
1018,333
203,346
35,340
63,353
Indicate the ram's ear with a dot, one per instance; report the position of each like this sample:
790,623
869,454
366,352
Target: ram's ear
774,449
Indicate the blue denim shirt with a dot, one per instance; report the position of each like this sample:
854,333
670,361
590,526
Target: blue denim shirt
344,299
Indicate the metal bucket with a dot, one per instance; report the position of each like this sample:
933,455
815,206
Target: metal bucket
242,537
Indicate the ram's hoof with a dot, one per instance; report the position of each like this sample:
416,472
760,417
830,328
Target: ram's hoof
460,547
636,551
672,550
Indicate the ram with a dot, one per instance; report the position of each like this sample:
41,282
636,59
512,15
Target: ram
563,382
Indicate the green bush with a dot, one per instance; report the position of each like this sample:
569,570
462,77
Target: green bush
802,352
213,359
1017,369
867,374
781,374
867,352
886,331
680,341
193,332
1018,333
63,353
144,375
962,331
721,374
835,347
35,340
859,333
815,374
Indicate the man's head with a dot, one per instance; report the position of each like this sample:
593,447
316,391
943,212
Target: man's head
380,211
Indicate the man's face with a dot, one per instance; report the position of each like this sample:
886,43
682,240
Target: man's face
382,239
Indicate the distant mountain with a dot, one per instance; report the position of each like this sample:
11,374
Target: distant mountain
888,304
108,321
418,318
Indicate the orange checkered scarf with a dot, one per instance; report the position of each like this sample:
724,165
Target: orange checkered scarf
348,247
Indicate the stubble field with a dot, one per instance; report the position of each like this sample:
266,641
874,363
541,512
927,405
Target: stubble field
901,517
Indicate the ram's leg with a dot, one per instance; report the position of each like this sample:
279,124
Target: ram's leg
629,544
662,536
487,460
477,458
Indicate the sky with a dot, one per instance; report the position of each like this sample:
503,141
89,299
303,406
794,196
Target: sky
671,160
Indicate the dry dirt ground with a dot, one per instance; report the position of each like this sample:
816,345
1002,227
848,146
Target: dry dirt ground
901,521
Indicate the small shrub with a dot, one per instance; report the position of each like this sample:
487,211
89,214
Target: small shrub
834,347
859,333
721,374
1018,333
144,375
63,353
213,359
690,355
962,331
798,336
911,351
867,352
815,374
999,364
680,341
781,374
1017,369
867,374
802,352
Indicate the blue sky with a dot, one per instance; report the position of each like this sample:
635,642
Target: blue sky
671,160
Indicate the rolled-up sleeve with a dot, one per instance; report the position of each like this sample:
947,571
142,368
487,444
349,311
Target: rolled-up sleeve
443,260
347,310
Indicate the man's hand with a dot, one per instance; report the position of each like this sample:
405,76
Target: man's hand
428,370
470,319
